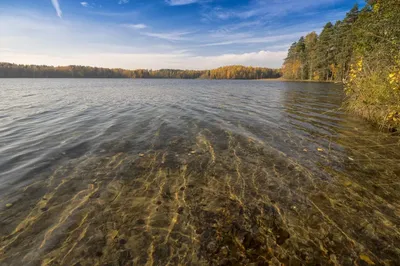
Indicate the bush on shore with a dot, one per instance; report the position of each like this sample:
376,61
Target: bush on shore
373,83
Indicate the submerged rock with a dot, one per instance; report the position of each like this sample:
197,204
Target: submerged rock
282,236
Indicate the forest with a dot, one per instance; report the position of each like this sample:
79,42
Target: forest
8,70
362,51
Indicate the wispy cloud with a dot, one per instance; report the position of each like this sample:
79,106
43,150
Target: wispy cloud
184,2
267,39
136,26
259,9
151,34
56,6
169,36
129,14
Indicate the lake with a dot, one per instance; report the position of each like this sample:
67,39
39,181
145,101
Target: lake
192,172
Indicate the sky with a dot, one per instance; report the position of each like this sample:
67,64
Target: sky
155,34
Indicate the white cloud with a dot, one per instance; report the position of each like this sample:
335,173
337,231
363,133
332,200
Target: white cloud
267,39
129,14
85,4
136,26
152,60
182,2
36,39
261,58
56,6
262,9
169,36
121,2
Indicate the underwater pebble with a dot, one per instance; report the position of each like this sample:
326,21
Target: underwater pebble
282,236
211,246
333,258
305,150
320,149
275,262
140,222
141,154
347,184
369,229
225,251
9,205
351,159
199,231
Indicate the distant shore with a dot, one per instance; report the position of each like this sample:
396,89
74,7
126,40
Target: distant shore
10,70
299,80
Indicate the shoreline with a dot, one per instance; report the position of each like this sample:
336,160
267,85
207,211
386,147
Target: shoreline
298,80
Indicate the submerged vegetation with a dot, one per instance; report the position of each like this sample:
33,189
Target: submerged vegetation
211,197
363,51
8,70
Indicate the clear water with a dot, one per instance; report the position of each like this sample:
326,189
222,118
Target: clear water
158,172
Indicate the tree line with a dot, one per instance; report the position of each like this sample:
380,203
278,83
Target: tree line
324,57
363,52
8,70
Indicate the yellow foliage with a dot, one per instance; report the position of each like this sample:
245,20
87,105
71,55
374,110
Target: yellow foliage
292,69
394,80
393,117
373,95
376,7
360,64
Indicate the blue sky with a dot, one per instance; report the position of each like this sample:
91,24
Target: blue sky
154,34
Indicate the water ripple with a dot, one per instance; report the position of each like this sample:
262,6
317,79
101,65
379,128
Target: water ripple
194,173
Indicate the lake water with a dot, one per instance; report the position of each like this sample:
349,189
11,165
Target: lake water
192,172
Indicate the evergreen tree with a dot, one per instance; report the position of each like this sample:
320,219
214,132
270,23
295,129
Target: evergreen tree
363,51
311,41
324,53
